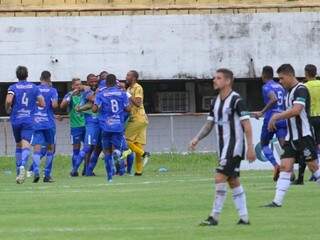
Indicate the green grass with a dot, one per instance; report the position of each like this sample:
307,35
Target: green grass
155,206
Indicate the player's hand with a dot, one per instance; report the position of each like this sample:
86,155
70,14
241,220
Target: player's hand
59,117
256,115
77,108
272,124
75,92
193,143
251,155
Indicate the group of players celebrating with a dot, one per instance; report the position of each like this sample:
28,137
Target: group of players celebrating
292,113
105,115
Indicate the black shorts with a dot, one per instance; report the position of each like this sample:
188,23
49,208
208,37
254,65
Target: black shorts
315,123
230,167
304,148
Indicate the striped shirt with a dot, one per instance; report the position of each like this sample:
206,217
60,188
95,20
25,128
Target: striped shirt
298,126
227,115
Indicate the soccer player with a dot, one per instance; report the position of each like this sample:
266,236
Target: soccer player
299,140
232,123
136,130
102,79
273,96
45,129
313,86
92,136
111,103
77,129
21,103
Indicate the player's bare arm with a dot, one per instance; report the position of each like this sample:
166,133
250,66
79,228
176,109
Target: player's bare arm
95,108
136,101
294,111
84,107
272,101
204,131
40,101
8,104
251,156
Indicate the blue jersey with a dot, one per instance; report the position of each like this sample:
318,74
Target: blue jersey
112,103
273,87
102,84
44,116
89,116
24,102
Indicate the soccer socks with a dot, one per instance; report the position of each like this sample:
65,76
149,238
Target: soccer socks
220,197
74,157
139,163
302,168
81,156
239,199
43,152
109,166
25,156
269,155
316,174
18,156
283,185
48,166
92,164
36,163
136,147
130,160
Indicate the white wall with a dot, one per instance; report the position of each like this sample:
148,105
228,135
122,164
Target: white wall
160,47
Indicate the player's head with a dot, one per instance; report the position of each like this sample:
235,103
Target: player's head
22,73
111,80
223,78
310,71
75,83
267,73
286,75
92,81
45,77
132,77
103,75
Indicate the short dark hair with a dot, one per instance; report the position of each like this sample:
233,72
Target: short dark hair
90,75
111,80
74,80
311,70
286,69
226,73
135,74
45,76
22,72
267,72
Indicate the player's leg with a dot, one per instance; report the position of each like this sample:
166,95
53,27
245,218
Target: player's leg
50,136
16,129
95,153
138,163
310,156
301,171
120,145
107,150
130,160
75,136
37,142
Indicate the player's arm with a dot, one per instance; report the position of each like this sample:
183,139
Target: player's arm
299,103
9,101
204,131
40,101
136,100
272,101
66,100
54,100
84,107
97,104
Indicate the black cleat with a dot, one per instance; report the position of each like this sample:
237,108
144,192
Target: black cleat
146,154
210,221
48,180
242,222
74,174
36,179
272,205
298,182
138,174
312,178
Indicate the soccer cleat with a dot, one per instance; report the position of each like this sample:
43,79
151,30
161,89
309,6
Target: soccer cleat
242,222
276,173
21,177
210,221
272,205
145,157
298,182
29,174
36,179
312,179
138,174
293,177
125,154
74,174
48,180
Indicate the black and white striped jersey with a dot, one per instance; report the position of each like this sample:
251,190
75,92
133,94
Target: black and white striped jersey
227,115
298,126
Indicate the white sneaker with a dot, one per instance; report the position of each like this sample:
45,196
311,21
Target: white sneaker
21,177
29,174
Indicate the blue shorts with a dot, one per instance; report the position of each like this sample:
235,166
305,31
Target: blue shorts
44,137
114,139
93,135
22,131
267,136
77,135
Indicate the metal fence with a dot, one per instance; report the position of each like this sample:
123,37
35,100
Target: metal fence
166,133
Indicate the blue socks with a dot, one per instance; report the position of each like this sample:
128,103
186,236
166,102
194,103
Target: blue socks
36,163
269,155
86,149
74,157
18,159
25,156
109,166
92,164
130,160
48,166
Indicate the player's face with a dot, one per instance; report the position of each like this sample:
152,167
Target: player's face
219,81
285,80
129,78
103,76
93,82
76,85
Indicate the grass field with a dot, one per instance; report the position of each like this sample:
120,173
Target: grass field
155,206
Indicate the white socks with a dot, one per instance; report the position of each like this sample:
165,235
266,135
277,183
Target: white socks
316,174
239,199
283,185
221,194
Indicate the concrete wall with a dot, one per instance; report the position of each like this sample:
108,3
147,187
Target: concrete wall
159,47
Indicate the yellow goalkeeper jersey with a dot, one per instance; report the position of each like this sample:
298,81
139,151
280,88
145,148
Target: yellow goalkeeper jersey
314,90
